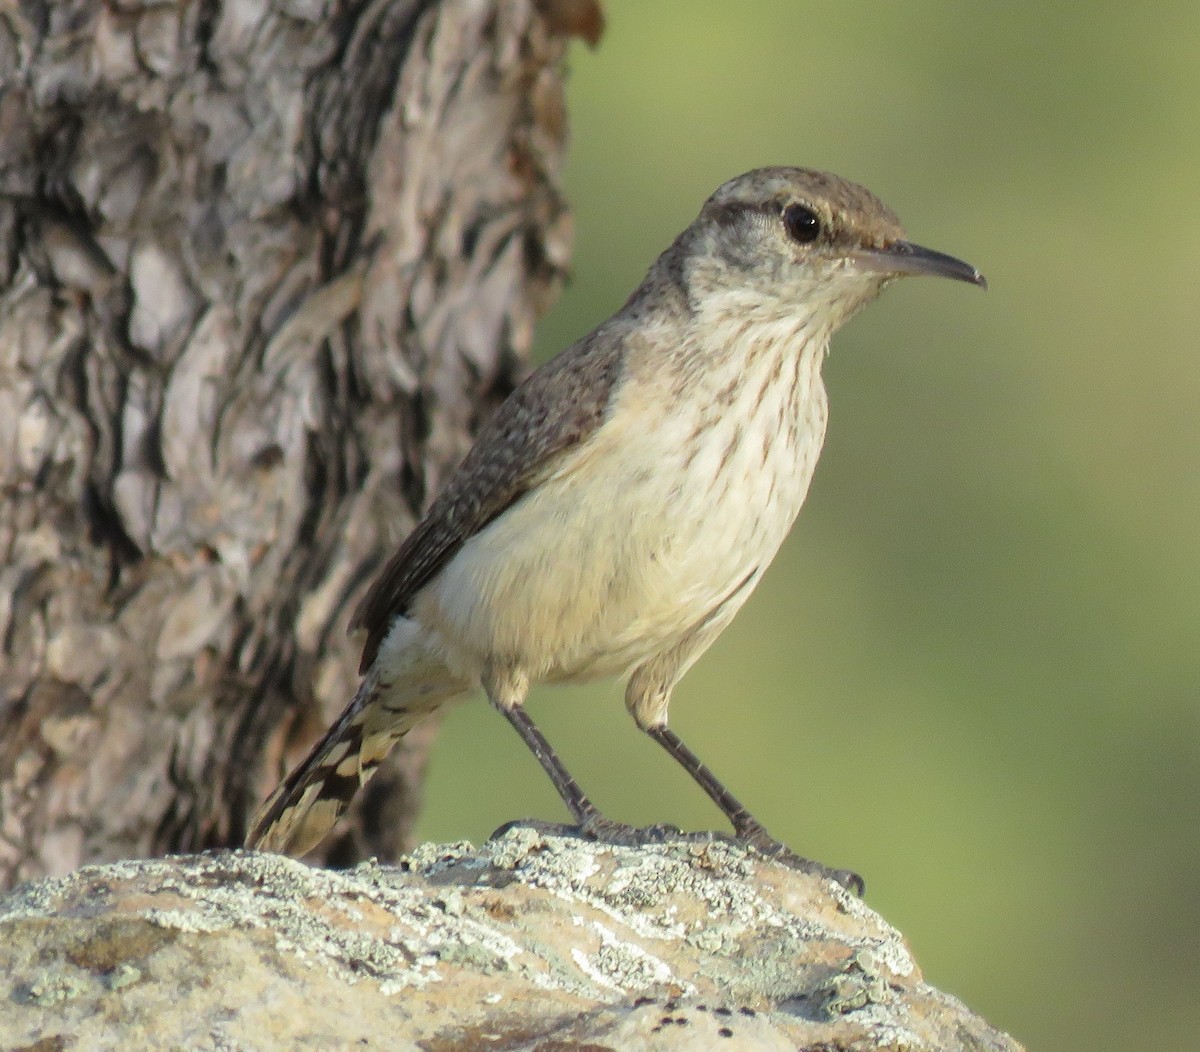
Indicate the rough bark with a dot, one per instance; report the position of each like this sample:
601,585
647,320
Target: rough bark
263,264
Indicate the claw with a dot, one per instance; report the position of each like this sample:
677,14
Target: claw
759,840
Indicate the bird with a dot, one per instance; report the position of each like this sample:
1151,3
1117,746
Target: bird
620,506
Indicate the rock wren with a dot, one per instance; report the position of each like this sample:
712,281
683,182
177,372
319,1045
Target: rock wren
621,505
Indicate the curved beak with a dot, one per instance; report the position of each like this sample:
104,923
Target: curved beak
904,258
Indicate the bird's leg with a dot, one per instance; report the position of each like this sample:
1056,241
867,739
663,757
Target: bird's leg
747,829
588,819
581,808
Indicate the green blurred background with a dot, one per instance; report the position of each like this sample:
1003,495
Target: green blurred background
973,673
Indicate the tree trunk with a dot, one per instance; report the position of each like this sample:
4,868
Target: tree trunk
263,265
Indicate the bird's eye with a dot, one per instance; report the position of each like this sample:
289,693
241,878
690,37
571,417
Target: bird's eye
801,223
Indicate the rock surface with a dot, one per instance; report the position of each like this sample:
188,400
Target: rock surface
531,942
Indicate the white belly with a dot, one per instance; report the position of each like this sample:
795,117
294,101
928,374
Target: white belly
657,521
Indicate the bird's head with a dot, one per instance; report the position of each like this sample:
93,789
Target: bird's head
780,242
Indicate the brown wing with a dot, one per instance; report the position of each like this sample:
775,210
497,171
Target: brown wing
556,408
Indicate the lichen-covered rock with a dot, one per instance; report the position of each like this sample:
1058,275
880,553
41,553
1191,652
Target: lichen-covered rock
529,942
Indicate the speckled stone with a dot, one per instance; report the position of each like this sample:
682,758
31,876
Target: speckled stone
529,939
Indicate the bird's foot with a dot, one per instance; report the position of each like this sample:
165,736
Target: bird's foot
750,835
755,837
606,831
600,829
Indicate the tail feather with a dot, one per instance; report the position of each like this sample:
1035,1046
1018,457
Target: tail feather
308,802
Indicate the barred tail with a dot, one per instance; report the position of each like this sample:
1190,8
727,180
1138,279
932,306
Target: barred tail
308,802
